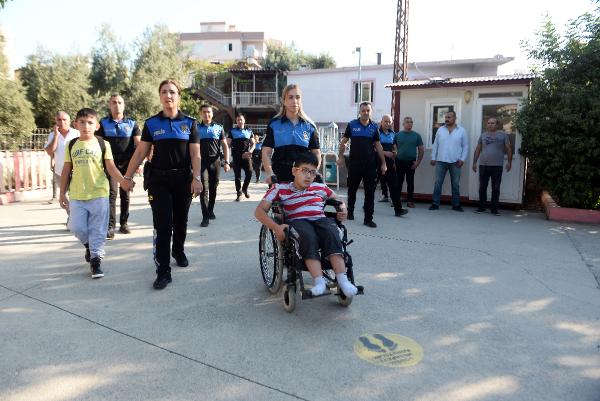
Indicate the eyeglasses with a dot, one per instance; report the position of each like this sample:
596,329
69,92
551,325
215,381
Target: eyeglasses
305,171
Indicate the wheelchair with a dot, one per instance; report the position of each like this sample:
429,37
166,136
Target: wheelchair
275,257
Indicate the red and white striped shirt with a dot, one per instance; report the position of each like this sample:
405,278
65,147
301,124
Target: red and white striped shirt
300,203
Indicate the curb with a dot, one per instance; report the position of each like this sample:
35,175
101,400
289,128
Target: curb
568,214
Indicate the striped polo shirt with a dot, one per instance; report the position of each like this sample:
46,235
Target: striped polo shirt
297,204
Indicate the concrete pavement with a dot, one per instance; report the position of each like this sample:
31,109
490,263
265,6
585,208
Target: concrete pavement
504,308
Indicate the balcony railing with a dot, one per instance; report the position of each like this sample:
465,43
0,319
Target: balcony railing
255,98
218,95
260,129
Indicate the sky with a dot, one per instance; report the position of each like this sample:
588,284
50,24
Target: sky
438,29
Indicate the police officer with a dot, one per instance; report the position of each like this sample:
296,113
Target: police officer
288,133
174,177
257,157
363,166
387,137
241,142
212,138
123,134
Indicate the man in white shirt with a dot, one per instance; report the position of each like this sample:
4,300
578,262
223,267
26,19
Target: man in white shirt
56,144
450,150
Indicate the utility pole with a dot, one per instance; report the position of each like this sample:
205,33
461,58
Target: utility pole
400,55
358,50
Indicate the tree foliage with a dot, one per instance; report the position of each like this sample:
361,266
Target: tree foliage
289,58
4,67
109,72
560,121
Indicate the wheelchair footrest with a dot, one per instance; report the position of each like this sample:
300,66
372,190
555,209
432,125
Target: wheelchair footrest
306,294
360,288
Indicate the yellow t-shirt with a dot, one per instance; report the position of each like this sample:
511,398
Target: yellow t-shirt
89,180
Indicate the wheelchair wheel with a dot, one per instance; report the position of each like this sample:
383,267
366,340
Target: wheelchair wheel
289,298
270,256
344,300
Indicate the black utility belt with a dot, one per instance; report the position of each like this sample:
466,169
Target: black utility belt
173,172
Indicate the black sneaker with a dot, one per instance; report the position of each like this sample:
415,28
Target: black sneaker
110,234
124,229
480,210
238,197
95,268
384,199
204,223
161,281
400,212
434,207
246,194
350,215
181,259
87,253
370,223
458,208
212,216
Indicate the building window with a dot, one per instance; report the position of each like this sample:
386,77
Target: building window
367,92
438,114
231,47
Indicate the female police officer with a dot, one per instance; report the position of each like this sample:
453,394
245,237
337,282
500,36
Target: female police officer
241,142
288,133
173,179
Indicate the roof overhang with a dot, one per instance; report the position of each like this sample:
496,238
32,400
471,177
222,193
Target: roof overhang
515,79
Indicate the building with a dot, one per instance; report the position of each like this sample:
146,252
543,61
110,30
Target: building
217,42
332,95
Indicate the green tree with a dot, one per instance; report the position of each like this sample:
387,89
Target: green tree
3,3
3,59
109,73
54,83
159,57
560,121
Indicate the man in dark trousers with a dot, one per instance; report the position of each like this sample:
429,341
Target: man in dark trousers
212,138
123,134
365,151
386,137
409,151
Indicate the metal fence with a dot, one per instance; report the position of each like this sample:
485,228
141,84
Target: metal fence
35,141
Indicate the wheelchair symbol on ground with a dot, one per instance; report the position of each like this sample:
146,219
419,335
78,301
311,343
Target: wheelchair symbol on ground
390,350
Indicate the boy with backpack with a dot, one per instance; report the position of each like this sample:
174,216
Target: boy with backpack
88,159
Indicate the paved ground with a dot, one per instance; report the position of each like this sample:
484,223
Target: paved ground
504,308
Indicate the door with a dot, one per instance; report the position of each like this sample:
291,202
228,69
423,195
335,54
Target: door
504,108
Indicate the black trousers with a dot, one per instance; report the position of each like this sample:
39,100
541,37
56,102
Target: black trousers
124,195
366,172
403,168
170,198
392,183
240,164
256,163
383,182
209,171
485,174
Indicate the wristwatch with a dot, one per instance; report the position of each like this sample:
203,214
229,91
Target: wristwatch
198,178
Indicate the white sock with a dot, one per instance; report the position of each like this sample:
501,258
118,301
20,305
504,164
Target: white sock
319,286
345,285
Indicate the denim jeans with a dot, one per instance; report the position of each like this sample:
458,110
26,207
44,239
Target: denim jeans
440,174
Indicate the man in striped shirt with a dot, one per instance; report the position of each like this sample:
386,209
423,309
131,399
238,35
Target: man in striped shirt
303,201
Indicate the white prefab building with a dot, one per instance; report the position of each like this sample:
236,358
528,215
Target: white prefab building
217,42
474,100
332,95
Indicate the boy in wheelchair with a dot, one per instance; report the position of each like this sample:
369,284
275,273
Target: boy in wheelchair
303,201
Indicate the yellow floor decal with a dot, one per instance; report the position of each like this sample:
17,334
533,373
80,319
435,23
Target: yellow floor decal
390,350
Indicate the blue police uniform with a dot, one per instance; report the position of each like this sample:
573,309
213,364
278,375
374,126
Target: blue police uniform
257,159
210,148
287,140
390,179
363,165
169,183
120,136
241,142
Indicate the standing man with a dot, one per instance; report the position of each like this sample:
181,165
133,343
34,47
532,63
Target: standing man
363,161
241,143
212,138
386,136
124,135
56,144
257,157
409,153
491,146
450,150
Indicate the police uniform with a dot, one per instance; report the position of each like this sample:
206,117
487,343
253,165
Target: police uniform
387,140
287,140
120,136
241,141
210,150
363,164
169,182
257,159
